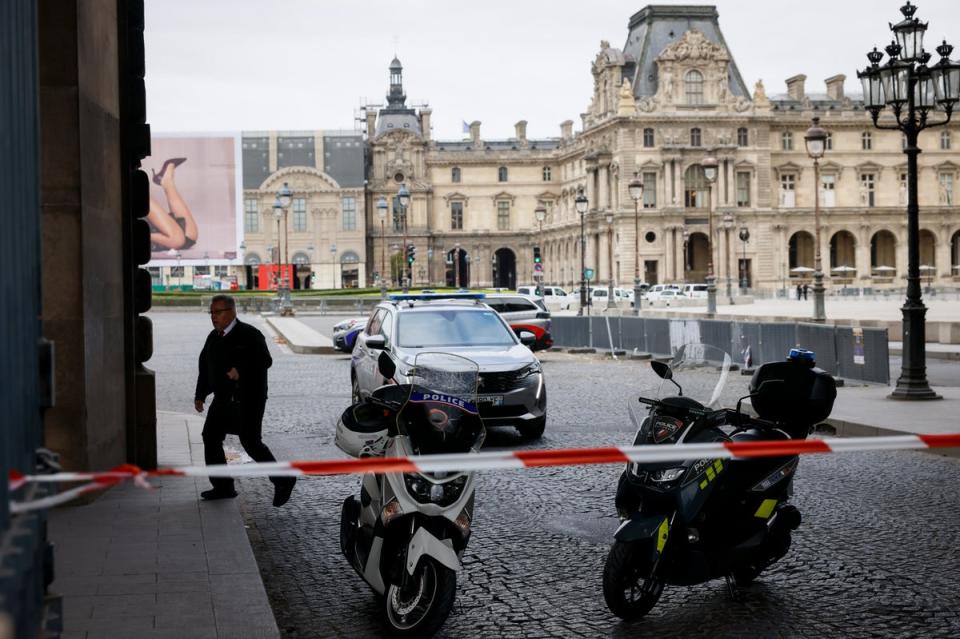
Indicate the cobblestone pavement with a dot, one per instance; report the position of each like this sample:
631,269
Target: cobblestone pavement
876,555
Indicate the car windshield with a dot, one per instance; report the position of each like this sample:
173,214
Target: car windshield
429,329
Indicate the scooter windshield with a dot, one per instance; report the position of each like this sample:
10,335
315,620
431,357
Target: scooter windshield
697,371
440,414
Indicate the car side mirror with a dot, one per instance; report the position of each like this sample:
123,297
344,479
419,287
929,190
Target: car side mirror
527,338
378,342
661,369
385,364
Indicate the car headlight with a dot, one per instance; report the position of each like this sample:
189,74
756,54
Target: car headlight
531,369
427,492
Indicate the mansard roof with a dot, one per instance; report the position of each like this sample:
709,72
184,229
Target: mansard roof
655,27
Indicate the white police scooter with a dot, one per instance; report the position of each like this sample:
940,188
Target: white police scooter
406,533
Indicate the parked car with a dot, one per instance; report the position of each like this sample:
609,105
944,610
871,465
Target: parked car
551,295
658,288
345,333
524,313
512,390
665,295
597,295
623,295
696,291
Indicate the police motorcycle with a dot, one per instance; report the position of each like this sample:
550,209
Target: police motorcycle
406,533
685,523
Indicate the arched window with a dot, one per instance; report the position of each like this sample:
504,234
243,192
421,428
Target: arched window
695,187
801,254
843,256
928,253
502,174
252,259
695,139
455,174
743,138
301,258
883,254
349,257
693,84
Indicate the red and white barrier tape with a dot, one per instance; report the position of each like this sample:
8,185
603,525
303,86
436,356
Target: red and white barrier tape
496,460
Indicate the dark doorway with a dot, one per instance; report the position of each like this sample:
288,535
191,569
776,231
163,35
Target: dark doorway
504,269
746,277
650,275
458,269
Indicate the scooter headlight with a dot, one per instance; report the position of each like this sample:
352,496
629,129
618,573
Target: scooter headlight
667,475
425,491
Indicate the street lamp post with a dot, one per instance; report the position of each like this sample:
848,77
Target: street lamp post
581,202
635,188
744,237
610,301
709,165
816,142
493,270
403,195
179,272
727,227
912,90
333,264
280,206
456,265
382,214
541,214
686,253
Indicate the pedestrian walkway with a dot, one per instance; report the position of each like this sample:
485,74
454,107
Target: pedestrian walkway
161,563
867,410
300,337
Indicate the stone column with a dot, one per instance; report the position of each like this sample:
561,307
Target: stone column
669,255
603,179
603,266
863,253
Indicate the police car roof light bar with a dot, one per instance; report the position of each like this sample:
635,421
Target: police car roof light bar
411,297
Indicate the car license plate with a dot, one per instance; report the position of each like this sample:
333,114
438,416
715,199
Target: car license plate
493,400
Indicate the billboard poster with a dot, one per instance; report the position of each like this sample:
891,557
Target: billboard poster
194,198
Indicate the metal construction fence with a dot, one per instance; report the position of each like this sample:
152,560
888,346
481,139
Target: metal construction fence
853,353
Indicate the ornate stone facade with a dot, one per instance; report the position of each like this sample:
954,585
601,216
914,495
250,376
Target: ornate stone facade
658,111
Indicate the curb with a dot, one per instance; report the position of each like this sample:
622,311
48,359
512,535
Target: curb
852,429
302,349
930,354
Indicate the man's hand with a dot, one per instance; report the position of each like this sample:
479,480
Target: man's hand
198,404
233,374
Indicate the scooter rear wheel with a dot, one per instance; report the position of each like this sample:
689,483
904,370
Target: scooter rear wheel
628,589
420,608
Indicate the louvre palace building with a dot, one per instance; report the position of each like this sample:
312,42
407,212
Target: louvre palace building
671,96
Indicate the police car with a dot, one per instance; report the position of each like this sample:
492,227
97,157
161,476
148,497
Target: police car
511,389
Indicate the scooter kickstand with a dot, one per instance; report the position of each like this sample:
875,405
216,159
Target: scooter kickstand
735,593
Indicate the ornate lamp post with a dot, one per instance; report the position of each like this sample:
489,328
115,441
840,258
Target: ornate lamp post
635,188
493,271
709,165
382,214
744,237
280,206
912,90
456,265
816,142
179,271
686,253
541,214
727,227
610,300
403,195
582,203
333,264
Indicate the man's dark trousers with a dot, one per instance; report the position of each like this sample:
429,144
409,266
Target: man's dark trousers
222,417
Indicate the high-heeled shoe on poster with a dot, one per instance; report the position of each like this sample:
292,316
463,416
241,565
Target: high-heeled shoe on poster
158,177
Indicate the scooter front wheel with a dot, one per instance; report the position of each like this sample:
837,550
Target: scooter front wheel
420,608
628,589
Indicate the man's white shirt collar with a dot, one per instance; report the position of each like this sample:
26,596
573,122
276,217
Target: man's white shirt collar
230,326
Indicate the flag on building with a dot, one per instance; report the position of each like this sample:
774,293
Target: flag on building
466,127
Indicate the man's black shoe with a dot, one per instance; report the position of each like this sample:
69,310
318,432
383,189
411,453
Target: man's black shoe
282,489
213,493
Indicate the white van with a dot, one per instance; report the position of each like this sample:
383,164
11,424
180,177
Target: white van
553,295
695,291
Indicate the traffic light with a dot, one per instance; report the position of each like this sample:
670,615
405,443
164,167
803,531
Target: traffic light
537,259
411,254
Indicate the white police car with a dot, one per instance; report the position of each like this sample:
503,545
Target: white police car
511,389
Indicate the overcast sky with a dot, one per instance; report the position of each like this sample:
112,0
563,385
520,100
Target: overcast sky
229,65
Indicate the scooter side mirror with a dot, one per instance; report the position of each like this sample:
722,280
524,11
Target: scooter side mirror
662,370
386,366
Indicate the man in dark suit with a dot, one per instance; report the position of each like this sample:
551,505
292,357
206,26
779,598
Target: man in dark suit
233,366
